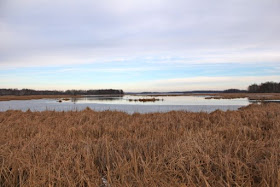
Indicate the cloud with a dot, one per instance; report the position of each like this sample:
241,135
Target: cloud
159,39
200,83
37,32
110,70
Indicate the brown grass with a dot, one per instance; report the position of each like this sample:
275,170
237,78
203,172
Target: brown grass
233,148
29,97
251,96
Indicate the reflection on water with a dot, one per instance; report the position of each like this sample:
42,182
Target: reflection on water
159,100
96,98
129,104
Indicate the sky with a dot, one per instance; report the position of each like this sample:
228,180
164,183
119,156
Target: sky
139,45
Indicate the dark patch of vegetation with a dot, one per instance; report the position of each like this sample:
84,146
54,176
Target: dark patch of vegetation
267,87
145,100
234,91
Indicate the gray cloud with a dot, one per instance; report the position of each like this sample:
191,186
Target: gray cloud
36,31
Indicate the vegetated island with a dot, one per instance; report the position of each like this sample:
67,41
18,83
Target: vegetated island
88,148
26,94
145,100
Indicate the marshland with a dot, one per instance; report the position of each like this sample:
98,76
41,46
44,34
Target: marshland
126,103
89,148
139,93
173,140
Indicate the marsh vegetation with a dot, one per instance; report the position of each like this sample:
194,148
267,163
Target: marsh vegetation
32,97
86,148
250,96
145,100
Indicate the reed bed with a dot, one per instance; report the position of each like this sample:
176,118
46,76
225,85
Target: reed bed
88,148
29,97
251,96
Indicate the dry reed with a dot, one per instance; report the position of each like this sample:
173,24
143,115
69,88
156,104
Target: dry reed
251,96
29,97
88,148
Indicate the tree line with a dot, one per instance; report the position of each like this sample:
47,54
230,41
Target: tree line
234,91
267,87
23,92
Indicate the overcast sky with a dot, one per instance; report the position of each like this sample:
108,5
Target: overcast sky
139,45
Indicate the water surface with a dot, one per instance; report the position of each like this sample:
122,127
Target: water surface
127,104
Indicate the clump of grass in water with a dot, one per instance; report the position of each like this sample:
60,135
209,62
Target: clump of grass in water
145,100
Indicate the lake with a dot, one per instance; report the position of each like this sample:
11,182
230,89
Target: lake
128,103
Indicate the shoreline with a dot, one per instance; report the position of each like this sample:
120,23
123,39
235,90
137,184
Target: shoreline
250,96
60,97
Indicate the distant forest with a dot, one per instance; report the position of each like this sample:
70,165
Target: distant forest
267,87
54,92
235,91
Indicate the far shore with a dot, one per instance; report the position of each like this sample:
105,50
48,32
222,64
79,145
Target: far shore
251,96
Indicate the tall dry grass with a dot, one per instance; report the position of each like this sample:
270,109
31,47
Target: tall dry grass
87,148
29,97
251,96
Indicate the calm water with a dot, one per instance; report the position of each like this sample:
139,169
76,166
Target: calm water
101,103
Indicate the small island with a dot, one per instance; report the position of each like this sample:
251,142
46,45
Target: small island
145,100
